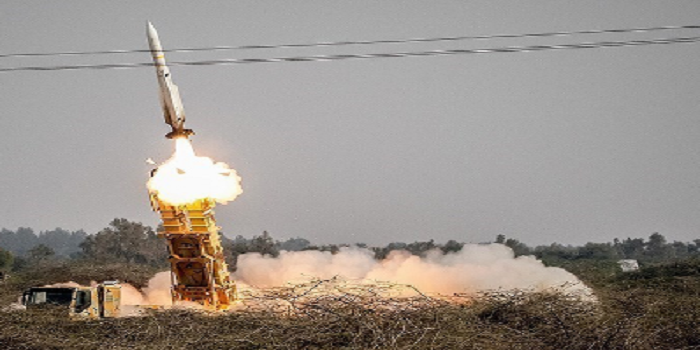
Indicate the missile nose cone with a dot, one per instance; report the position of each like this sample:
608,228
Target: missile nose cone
151,30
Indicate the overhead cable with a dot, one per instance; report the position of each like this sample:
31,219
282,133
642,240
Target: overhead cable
322,58
366,42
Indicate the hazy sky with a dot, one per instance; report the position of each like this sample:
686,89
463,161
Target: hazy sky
558,146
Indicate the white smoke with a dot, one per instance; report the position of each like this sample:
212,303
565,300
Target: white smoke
156,292
475,268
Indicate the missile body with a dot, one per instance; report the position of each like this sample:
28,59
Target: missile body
169,95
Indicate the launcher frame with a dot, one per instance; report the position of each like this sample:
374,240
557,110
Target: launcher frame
199,272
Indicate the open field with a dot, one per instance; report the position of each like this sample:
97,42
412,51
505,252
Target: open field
658,308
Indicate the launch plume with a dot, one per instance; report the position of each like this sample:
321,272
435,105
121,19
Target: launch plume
476,268
186,177
157,292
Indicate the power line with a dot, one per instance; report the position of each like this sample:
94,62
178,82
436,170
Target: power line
366,42
322,58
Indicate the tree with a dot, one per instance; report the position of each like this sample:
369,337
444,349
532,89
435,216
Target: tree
18,242
40,252
63,242
694,248
518,248
632,248
294,244
681,250
598,251
6,260
420,248
125,241
382,253
452,246
556,252
657,249
263,244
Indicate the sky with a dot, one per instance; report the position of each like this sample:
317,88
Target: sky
557,146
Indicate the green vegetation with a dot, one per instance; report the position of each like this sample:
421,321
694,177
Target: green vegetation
62,242
125,241
133,242
6,260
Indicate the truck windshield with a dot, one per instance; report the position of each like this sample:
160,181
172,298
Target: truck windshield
82,300
56,296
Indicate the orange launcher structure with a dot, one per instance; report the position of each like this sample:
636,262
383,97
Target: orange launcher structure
198,271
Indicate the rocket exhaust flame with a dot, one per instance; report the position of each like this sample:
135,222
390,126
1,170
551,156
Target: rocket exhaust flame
186,177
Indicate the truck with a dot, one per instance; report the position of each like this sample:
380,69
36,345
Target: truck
100,301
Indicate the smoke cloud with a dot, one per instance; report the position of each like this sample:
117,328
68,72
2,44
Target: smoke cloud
156,292
475,268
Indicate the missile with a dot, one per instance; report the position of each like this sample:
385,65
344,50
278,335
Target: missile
170,100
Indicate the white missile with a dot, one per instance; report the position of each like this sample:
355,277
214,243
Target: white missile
169,95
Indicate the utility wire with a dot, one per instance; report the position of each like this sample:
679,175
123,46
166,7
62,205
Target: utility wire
365,42
321,58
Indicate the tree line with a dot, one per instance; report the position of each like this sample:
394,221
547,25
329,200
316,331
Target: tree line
24,239
124,241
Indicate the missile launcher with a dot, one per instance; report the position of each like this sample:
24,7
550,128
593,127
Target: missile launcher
198,270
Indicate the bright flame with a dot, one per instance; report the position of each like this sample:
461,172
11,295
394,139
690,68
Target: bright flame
186,177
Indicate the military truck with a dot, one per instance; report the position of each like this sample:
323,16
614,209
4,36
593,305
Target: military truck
100,301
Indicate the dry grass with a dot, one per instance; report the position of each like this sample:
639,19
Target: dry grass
338,315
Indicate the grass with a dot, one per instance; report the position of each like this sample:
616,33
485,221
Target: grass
643,311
